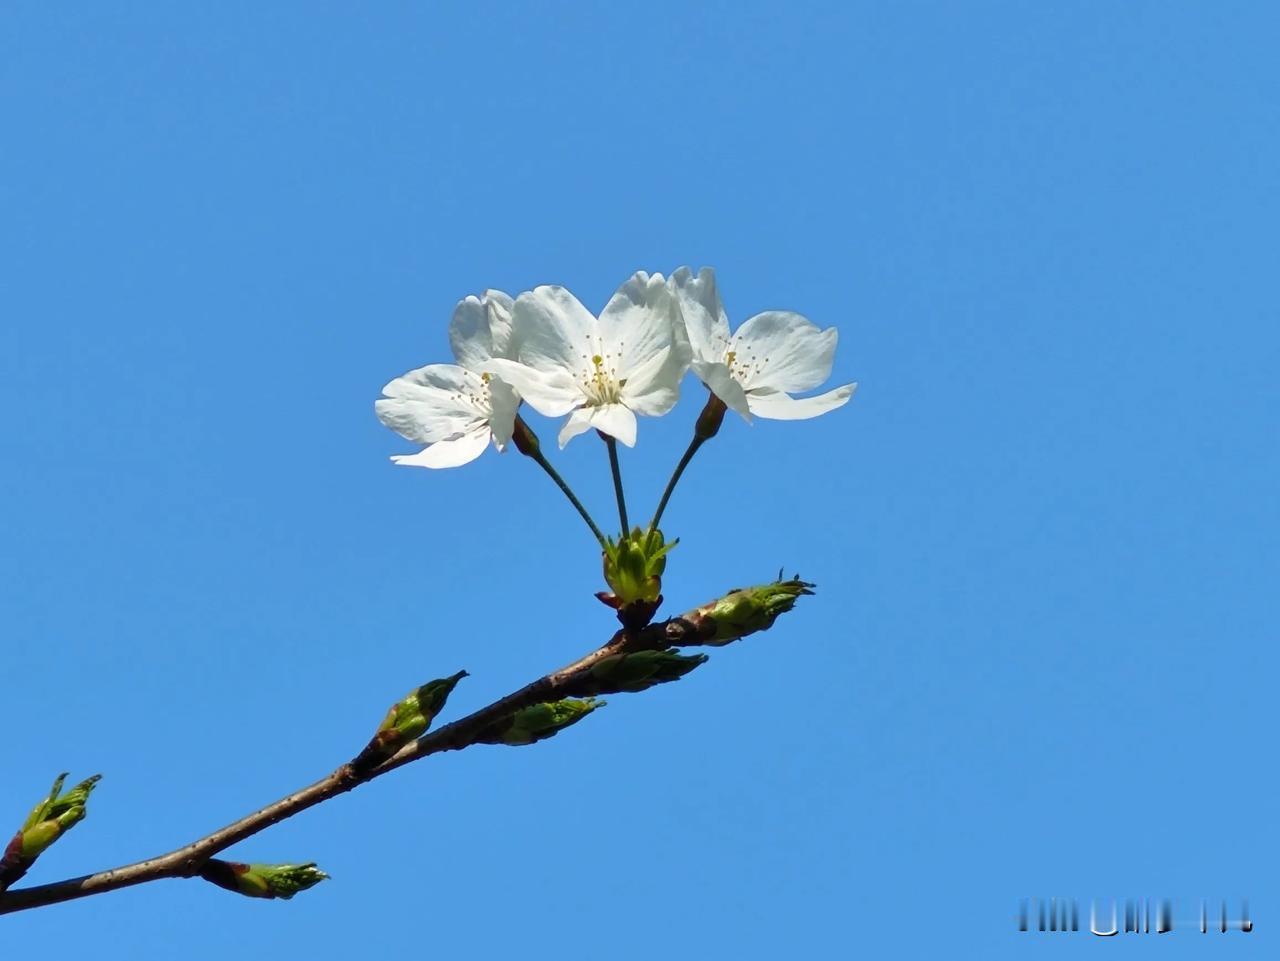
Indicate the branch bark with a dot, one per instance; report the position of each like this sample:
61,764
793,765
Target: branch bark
187,861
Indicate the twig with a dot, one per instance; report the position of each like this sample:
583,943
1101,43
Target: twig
187,861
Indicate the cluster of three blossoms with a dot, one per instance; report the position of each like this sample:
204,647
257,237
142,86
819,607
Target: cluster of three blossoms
545,348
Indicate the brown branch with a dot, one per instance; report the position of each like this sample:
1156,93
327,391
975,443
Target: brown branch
187,861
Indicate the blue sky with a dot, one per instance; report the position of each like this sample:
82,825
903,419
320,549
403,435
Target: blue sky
1042,655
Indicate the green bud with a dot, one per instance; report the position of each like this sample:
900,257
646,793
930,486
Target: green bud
407,720
37,838
48,821
262,880
413,715
539,722
638,671
746,610
633,567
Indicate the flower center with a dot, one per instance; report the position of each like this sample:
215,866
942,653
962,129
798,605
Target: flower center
600,380
477,395
744,368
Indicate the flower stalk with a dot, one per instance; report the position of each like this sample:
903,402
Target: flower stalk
705,427
527,443
617,480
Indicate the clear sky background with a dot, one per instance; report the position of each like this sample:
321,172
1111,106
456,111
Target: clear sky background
1042,656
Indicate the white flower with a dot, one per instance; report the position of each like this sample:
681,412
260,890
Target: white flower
456,409
600,371
773,354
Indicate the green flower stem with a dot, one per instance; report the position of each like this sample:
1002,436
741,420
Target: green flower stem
675,479
706,427
526,441
568,492
617,481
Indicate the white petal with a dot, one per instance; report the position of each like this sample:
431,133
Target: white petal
654,387
449,453
499,305
422,423
446,385
721,383
551,331
579,422
503,402
705,322
616,420
637,324
778,406
444,377
432,403
550,394
782,351
481,328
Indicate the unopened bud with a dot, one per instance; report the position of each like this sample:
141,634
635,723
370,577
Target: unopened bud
745,611
524,438
709,421
407,720
637,671
49,820
262,880
539,722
